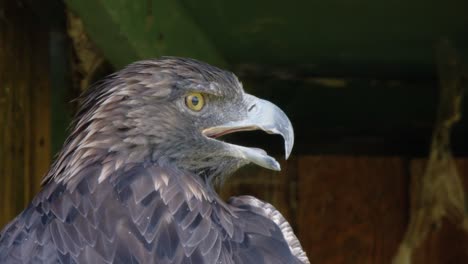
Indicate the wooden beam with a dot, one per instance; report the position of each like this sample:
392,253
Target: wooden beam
127,30
438,194
24,107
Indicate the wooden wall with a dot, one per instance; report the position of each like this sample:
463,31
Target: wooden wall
24,107
351,209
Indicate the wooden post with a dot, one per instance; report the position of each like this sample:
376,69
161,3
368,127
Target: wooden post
24,107
438,192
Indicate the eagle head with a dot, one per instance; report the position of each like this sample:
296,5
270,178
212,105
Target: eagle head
170,111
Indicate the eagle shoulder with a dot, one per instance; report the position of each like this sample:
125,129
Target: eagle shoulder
269,211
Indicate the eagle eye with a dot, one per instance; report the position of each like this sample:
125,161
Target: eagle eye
195,101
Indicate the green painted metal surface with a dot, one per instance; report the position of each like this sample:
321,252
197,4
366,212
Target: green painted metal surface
130,30
324,37
335,36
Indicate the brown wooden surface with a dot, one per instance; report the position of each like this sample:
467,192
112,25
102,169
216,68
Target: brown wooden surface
24,107
351,209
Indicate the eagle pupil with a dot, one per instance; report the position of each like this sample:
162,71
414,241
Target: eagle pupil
195,101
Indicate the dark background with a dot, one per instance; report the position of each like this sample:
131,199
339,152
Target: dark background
357,78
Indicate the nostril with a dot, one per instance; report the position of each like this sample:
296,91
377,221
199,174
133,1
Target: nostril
252,107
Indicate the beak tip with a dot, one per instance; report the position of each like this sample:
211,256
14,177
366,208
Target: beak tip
288,145
272,164
276,167
286,156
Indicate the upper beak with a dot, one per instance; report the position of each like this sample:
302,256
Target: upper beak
261,115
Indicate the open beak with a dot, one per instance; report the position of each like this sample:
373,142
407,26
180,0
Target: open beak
262,115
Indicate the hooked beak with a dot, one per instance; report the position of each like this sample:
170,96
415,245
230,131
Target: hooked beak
261,115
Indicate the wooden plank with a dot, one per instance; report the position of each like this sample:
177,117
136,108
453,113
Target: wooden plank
40,94
24,107
351,209
127,31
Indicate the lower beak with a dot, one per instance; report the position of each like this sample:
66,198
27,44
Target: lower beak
261,115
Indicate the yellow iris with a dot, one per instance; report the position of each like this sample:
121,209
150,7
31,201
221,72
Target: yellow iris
195,101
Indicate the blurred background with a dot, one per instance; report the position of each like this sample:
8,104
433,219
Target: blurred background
358,80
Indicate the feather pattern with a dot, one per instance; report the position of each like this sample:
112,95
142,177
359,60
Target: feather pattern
125,219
